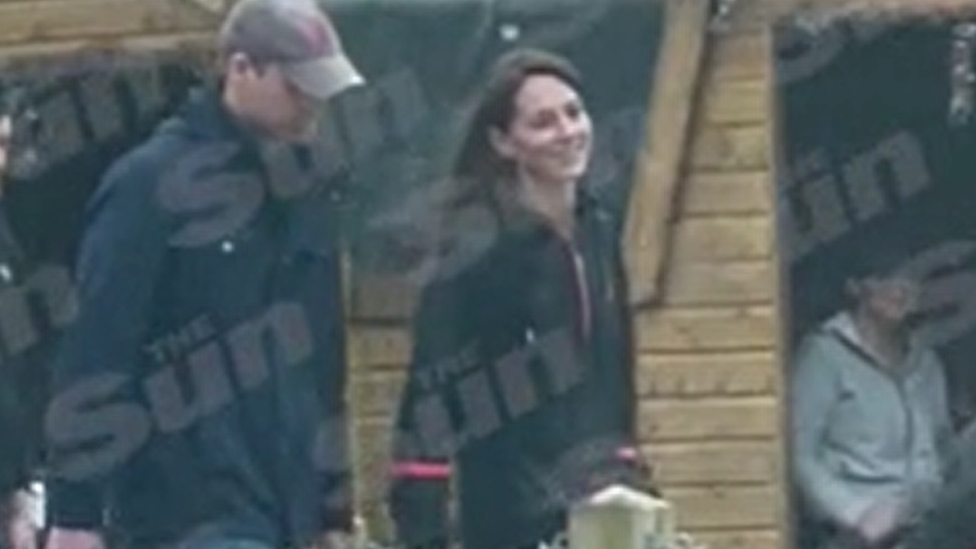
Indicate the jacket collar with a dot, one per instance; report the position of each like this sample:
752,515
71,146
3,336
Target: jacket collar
517,218
842,327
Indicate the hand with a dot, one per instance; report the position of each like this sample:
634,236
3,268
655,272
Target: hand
63,538
19,532
20,526
882,520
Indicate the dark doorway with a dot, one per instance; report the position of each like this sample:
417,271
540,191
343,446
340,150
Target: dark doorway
876,142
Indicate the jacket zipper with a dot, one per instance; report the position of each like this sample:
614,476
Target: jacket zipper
909,432
582,290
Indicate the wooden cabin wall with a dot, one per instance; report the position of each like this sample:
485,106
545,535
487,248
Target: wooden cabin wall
708,378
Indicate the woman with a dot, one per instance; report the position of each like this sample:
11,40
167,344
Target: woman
521,368
871,427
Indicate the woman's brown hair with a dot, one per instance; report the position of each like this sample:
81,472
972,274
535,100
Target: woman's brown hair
478,169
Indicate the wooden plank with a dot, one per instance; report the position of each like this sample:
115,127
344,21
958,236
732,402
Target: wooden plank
751,17
720,283
163,44
730,148
675,420
659,163
373,455
377,394
717,193
723,238
388,297
378,345
740,539
714,462
738,102
690,375
376,514
715,329
67,19
746,506
828,9
738,57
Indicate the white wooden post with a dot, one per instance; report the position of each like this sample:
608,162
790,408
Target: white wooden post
622,518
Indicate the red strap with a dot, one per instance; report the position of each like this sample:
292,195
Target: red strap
582,291
421,470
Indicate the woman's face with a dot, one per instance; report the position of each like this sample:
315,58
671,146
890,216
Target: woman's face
890,299
549,138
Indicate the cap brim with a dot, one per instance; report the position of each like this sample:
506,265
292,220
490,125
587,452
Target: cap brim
324,78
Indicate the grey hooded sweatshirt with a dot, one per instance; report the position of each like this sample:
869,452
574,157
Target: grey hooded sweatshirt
863,433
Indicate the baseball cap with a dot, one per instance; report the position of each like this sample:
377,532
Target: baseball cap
295,35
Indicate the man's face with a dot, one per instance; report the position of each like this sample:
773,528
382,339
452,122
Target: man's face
272,102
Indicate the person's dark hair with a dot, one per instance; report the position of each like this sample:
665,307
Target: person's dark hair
472,199
873,260
477,166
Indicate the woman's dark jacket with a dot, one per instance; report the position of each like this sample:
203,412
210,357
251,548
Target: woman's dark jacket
520,381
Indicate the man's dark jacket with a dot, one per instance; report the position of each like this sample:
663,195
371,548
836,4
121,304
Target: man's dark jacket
195,284
519,381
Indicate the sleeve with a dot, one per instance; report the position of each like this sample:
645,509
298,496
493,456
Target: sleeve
119,259
815,391
422,442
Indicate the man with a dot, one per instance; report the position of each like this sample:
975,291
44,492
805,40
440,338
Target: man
192,391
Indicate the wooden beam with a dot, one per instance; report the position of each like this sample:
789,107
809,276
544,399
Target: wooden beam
834,9
163,45
660,162
44,20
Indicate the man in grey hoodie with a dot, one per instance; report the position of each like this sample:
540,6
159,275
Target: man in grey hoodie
871,426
